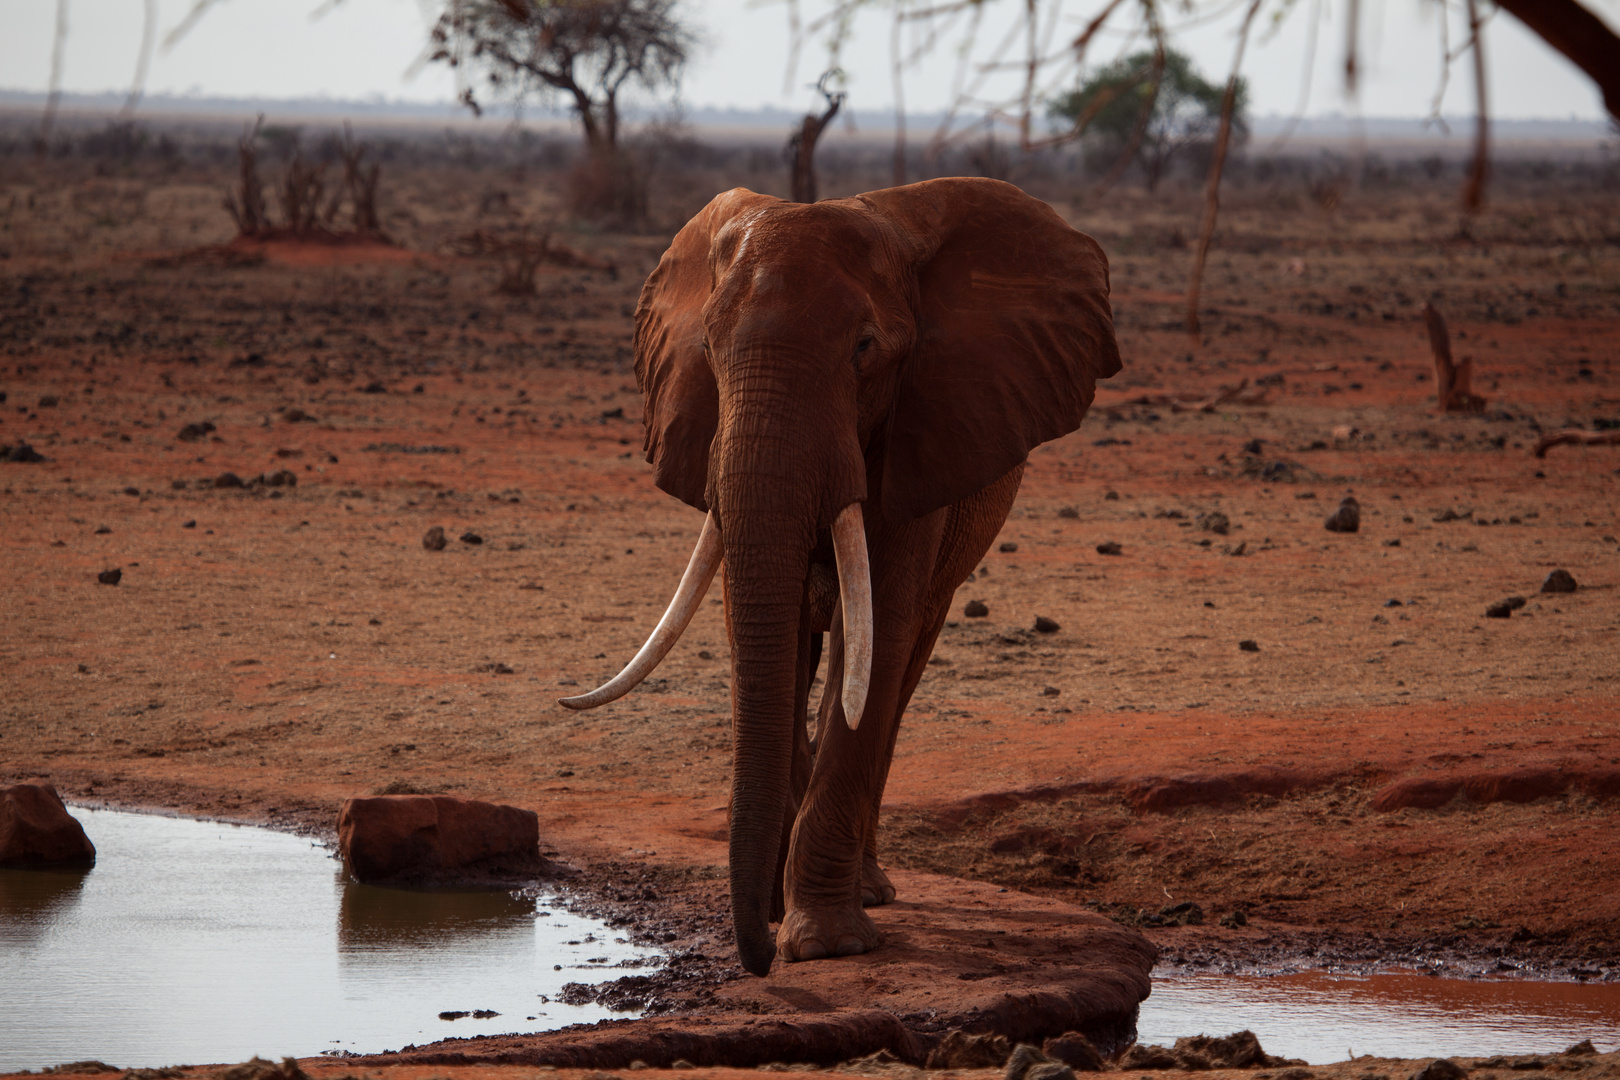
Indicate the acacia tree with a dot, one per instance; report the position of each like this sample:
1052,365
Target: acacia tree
585,52
1151,106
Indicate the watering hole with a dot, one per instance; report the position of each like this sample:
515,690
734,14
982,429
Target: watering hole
193,942
199,942
1325,1018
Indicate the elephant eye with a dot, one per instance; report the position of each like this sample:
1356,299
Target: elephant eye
860,350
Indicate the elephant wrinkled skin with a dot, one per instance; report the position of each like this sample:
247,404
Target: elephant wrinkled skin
878,367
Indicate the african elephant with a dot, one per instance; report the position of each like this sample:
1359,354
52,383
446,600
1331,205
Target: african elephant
850,390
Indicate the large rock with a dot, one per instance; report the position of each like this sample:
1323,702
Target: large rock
406,838
37,830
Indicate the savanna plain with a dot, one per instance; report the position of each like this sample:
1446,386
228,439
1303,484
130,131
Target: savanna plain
1268,745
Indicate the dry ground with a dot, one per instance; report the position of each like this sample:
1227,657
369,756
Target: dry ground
271,650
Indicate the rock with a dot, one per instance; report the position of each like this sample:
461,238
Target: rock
1581,1049
1112,496
102,530
1050,691
1234,919
471,538
228,480
1347,518
293,416
37,830
1074,1050
1503,609
281,478
258,1068
1008,548
1109,547
1215,522
1441,1069
436,838
1043,625
975,609
1149,1057
1025,1060
1049,1070
1239,1050
110,577
1249,645
194,432
434,539
22,454
960,1050
1070,512
374,387
1559,581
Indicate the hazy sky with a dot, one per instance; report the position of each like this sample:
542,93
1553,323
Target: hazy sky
366,48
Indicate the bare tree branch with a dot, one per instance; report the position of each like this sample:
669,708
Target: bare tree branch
1581,36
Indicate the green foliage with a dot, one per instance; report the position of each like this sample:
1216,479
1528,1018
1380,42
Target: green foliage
1174,108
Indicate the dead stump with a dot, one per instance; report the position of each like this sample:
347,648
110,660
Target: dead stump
37,830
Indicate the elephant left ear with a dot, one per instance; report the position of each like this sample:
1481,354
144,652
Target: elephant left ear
1014,329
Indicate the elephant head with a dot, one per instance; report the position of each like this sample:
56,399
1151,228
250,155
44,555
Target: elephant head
807,367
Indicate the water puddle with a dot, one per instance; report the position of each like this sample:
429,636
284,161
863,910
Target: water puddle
1325,1018
195,942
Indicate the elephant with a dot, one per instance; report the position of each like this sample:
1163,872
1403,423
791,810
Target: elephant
849,390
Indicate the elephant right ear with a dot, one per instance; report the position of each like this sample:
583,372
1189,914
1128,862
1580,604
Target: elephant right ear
681,404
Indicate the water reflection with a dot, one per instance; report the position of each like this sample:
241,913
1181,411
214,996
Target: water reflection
372,918
31,901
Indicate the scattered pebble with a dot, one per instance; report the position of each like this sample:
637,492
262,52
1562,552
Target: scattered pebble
471,538
1393,541
1559,581
975,609
1050,691
192,524
1109,547
1215,522
1392,603
1112,496
1070,512
228,480
1347,518
1249,645
194,432
1008,548
433,539
1502,609
110,577
1043,625
102,530
22,453
374,387
132,490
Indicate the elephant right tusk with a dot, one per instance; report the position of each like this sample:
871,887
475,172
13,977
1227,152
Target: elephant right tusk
855,589
688,596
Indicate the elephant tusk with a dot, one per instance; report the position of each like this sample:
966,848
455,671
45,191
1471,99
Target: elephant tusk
855,588
688,596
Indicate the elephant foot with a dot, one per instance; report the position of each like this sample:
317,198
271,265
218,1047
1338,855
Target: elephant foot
876,888
817,933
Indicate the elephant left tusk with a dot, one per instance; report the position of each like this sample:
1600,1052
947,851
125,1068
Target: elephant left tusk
855,589
694,583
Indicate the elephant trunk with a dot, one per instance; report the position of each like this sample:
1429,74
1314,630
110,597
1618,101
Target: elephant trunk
780,475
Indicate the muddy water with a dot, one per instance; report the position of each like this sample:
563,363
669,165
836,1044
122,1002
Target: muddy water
195,942
1325,1018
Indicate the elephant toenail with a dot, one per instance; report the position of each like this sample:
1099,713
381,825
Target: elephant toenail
812,950
849,946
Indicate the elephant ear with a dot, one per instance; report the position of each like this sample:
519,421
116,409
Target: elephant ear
1014,329
681,404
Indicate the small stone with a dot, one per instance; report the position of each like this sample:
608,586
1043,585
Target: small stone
228,480
1347,518
1392,603
1393,541
1234,919
1109,547
1559,581
1008,548
102,530
1249,645
1581,1048
49,401
194,432
1215,522
1073,1049
975,609
471,538
282,478
1112,496
1441,1069
22,453
192,524
1043,625
1070,512
110,577
293,416
1050,691
374,387
1503,609
132,491
433,539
